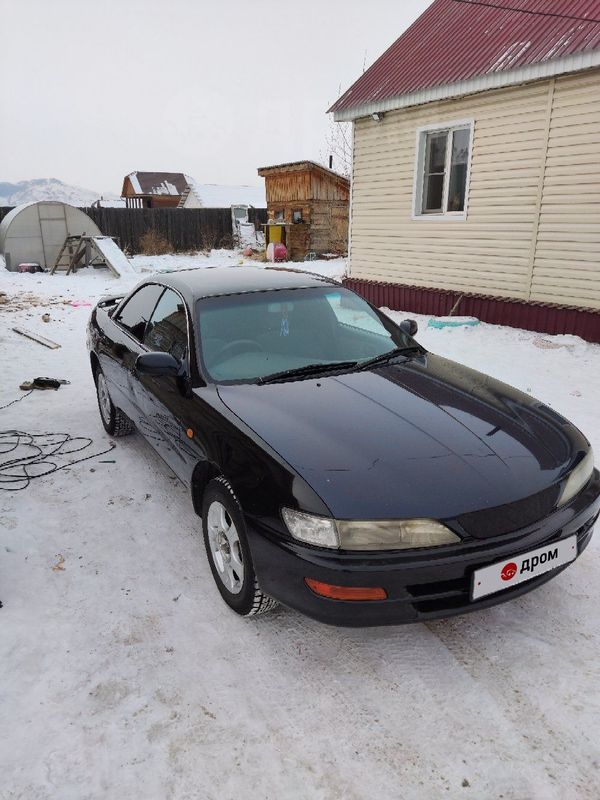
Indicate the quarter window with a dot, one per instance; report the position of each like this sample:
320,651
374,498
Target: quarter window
137,310
443,160
167,329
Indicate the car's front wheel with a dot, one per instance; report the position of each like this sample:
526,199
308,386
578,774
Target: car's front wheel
228,552
115,422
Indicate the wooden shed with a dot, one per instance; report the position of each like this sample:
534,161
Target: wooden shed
313,203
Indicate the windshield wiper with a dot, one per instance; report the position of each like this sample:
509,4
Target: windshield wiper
397,351
307,369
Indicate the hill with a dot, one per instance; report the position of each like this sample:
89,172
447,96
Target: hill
13,194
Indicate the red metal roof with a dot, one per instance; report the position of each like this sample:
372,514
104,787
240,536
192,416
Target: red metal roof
455,40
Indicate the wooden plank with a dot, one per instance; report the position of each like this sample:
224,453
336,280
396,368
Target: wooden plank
37,338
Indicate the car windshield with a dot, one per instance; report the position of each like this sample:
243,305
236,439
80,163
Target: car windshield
247,337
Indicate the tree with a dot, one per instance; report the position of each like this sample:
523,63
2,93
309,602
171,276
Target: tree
338,145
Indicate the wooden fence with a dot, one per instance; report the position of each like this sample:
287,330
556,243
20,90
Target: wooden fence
186,229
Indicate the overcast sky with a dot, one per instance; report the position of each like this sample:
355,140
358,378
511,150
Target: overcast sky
94,89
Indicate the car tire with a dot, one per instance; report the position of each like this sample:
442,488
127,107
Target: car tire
115,422
228,551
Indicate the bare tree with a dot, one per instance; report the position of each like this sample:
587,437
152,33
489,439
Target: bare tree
338,146
338,141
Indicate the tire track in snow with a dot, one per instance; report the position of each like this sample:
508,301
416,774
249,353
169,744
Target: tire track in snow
499,647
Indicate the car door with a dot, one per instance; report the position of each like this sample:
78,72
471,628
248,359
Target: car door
118,360
165,400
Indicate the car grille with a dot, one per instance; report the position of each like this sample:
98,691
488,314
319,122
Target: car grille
491,522
446,595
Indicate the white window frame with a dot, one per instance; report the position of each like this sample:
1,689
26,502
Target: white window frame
419,181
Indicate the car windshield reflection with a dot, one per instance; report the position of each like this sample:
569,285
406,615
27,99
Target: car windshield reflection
246,337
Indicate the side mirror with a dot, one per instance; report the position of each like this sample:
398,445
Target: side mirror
409,326
158,364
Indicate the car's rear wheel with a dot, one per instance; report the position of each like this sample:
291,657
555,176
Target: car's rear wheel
228,552
115,422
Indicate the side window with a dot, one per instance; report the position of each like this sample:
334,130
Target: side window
442,170
167,329
137,310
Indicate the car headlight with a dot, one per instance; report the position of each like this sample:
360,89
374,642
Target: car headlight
578,478
367,535
308,528
399,534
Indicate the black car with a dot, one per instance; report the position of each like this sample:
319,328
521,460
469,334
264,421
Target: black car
338,466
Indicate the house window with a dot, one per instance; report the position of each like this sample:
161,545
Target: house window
442,172
279,216
297,215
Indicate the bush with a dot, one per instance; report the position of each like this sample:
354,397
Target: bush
153,243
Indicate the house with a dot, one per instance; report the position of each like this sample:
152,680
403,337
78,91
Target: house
214,195
153,189
476,167
311,202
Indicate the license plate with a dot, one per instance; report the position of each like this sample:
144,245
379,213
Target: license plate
518,569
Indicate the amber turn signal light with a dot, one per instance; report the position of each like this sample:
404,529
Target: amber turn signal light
346,592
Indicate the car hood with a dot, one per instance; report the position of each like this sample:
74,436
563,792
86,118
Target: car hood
424,437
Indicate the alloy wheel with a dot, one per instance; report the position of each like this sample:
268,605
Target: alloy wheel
225,547
104,400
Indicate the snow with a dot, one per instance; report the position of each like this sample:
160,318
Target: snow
118,202
562,44
135,183
113,255
32,191
227,258
166,187
213,195
125,675
247,233
510,56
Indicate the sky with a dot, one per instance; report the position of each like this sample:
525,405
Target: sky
94,89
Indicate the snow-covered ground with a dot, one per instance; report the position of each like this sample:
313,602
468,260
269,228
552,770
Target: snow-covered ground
333,268
124,675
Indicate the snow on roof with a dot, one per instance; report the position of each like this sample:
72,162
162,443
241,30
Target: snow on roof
161,183
166,187
133,178
291,166
214,195
110,202
457,41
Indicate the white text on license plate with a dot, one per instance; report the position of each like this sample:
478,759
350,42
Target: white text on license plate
515,570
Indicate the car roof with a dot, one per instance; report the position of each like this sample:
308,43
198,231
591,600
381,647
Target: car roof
214,281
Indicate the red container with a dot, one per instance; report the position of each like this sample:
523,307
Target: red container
279,252
29,266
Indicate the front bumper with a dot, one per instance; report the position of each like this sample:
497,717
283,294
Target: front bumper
421,584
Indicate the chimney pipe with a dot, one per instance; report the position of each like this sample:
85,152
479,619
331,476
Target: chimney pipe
330,162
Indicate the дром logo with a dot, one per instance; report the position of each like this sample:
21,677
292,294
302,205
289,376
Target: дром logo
508,571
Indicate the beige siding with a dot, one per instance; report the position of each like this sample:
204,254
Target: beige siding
534,195
566,267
